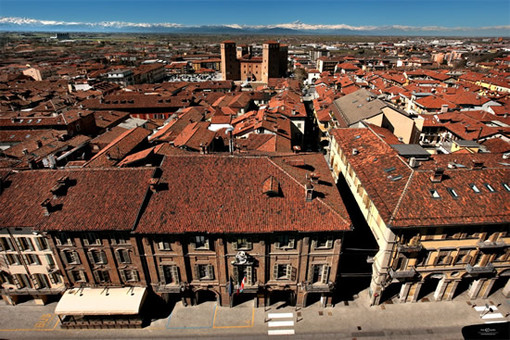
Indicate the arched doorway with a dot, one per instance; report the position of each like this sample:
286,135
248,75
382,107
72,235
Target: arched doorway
205,295
428,288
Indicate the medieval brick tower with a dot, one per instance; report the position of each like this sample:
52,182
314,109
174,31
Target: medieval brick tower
229,63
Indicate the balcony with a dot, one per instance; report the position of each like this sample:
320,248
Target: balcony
487,269
318,287
410,248
403,274
491,245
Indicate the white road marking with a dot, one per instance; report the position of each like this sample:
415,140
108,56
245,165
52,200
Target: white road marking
280,332
280,315
483,308
493,316
280,323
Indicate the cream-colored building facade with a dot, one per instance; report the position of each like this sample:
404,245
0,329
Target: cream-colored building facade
440,233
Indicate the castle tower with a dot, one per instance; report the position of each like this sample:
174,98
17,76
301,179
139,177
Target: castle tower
229,63
270,60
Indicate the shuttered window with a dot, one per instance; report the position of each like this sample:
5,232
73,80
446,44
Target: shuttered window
122,256
97,257
204,272
129,275
5,244
169,274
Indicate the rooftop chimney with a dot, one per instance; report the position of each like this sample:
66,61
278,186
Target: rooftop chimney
308,192
25,151
444,108
477,165
46,204
438,175
153,184
39,143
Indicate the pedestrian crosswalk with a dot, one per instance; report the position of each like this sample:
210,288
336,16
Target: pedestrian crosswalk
490,314
280,324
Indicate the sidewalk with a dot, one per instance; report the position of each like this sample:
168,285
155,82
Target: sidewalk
355,319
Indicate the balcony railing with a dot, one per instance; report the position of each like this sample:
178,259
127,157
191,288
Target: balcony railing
491,245
410,248
403,274
318,287
487,269
32,291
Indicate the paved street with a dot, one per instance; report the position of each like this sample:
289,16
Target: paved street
424,320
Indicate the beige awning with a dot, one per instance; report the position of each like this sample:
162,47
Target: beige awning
101,301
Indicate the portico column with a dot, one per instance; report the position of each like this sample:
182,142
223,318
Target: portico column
487,287
441,287
415,291
404,291
450,291
474,290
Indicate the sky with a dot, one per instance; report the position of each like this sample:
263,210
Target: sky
446,13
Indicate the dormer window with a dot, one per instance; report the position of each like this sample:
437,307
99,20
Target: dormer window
506,186
474,188
323,242
201,242
242,243
434,194
452,192
285,242
489,187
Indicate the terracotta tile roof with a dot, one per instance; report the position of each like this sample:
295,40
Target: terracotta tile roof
96,199
497,145
210,194
119,148
402,194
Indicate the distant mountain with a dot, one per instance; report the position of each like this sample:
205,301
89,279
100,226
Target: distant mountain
294,28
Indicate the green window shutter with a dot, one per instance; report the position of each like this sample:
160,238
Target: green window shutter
277,243
210,271
197,272
122,275
234,245
329,243
288,272
37,260
91,257
76,257
293,275
249,275
117,256
96,277
235,272
104,259
275,272
249,244
325,274
135,275
162,277
175,274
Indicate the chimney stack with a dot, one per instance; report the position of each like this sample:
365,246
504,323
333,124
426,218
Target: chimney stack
46,204
25,151
444,108
39,143
438,175
153,184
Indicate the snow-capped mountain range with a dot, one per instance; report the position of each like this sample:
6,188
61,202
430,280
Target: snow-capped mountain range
297,27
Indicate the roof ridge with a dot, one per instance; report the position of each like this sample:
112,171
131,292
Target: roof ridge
299,183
